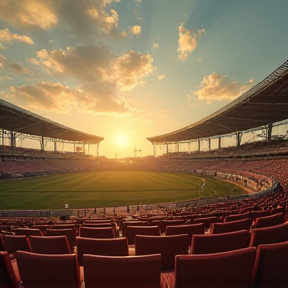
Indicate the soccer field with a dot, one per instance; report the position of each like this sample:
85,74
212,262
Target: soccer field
108,189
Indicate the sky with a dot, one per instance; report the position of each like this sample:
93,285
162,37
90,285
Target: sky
126,70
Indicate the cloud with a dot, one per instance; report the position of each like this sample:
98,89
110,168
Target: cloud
7,36
135,30
99,78
97,64
131,68
44,96
58,97
2,60
89,17
29,13
155,45
187,41
33,61
84,63
218,87
161,77
17,68
80,18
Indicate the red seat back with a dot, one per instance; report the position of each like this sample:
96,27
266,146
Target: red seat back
122,271
270,271
268,235
237,225
270,220
101,246
168,246
48,270
132,231
100,232
225,269
213,243
189,229
50,244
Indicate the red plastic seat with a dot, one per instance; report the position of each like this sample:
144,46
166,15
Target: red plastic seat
268,235
68,232
48,270
12,243
168,246
101,246
7,275
50,244
237,225
213,243
132,231
225,269
189,229
122,271
100,232
271,266
271,220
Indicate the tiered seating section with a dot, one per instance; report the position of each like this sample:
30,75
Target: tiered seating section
231,243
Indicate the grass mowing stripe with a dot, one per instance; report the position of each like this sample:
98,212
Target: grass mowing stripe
108,188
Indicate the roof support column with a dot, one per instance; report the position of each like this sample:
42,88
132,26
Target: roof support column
55,145
219,142
42,138
2,137
42,143
154,149
269,132
209,143
167,148
199,146
84,148
97,149
74,148
12,139
238,139
178,147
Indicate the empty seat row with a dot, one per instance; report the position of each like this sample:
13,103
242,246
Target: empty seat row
247,267
199,243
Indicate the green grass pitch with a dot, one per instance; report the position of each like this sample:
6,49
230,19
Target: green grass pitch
108,189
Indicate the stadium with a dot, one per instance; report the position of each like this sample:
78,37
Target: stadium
260,166
206,207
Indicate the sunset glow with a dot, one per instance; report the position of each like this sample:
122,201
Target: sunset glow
143,68
121,140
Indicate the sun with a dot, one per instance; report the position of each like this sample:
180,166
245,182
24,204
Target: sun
121,140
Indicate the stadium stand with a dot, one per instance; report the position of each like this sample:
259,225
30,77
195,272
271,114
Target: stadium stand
260,167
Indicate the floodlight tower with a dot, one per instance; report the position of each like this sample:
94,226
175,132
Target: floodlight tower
137,150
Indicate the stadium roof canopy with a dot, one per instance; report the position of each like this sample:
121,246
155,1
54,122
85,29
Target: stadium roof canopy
265,103
14,118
